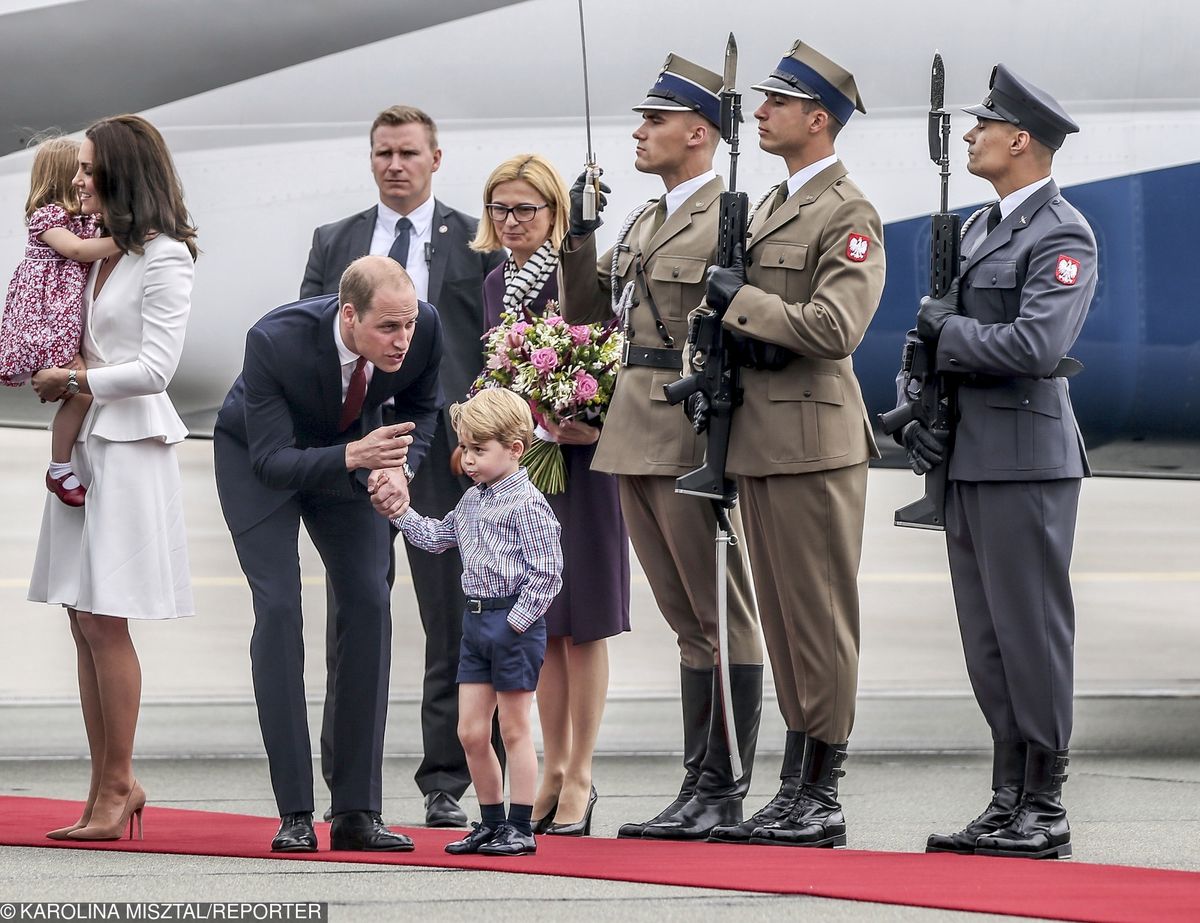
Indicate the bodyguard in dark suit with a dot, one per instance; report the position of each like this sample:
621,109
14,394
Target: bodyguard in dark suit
299,439
432,241
1028,274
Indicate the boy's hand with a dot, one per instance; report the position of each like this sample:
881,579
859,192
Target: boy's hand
515,627
388,488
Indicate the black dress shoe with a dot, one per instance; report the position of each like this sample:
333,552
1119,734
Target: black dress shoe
295,834
696,820
479,835
328,815
508,842
442,810
364,831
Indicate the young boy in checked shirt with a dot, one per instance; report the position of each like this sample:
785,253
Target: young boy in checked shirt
512,570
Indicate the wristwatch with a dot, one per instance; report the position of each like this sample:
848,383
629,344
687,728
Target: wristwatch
72,383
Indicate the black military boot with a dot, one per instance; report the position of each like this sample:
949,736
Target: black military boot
1039,829
1008,777
816,816
695,692
777,807
718,797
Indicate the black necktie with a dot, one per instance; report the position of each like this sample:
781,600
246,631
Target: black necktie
993,218
399,251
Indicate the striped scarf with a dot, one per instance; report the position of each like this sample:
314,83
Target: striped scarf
522,286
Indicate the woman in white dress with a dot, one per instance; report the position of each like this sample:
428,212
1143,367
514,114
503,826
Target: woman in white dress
123,555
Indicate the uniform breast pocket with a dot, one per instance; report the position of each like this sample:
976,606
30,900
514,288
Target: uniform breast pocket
671,277
808,409
781,269
1025,428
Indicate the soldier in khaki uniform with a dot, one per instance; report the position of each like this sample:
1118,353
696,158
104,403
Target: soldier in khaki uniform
798,305
656,280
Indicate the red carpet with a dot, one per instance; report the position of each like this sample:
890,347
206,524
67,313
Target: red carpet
1019,887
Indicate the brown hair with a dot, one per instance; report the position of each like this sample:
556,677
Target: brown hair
367,275
494,413
405,115
539,173
137,185
52,176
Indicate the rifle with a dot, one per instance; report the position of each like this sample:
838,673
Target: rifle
931,396
715,372
715,376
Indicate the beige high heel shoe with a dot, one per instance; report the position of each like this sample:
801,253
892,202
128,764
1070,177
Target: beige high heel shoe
132,810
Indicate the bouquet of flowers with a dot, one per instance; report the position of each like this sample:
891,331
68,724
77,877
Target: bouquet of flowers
565,371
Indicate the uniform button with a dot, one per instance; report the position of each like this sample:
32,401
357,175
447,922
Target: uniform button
781,258
808,394
675,273
954,362
993,280
1024,402
743,319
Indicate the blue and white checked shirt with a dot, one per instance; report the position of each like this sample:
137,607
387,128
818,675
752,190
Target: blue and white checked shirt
508,537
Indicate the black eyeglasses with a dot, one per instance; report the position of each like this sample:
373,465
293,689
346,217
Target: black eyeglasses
523,212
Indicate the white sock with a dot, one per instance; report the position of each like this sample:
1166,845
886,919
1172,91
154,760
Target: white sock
59,469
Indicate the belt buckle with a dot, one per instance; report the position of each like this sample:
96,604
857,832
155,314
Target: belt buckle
474,606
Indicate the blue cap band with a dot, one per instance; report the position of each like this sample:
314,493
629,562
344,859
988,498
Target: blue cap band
827,94
689,94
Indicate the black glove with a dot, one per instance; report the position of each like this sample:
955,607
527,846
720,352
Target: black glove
934,313
725,282
697,407
579,227
924,447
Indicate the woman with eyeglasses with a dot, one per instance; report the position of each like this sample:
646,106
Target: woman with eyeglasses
526,210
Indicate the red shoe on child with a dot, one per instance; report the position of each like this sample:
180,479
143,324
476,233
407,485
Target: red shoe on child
71,496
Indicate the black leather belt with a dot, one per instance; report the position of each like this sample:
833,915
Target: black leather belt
654,358
479,604
1068,367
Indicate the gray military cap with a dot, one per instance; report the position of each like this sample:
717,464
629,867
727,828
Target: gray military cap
1013,99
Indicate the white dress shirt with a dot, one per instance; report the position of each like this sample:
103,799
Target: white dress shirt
420,241
1011,202
348,358
804,174
684,190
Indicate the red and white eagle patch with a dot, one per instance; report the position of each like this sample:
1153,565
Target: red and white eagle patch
857,247
1066,270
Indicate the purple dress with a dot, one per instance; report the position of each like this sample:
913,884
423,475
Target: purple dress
594,600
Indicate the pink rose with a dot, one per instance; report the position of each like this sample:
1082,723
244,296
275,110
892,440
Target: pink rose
580,333
520,327
585,387
544,359
554,321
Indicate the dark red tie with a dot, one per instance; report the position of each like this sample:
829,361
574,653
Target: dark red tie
355,394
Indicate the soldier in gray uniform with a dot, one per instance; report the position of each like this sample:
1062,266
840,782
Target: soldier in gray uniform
1028,274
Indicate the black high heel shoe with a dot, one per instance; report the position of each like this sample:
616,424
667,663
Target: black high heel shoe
582,827
543,823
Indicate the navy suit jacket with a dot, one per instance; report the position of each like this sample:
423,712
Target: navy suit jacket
456,274
278,426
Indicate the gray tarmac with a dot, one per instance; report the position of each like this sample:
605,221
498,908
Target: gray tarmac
919,751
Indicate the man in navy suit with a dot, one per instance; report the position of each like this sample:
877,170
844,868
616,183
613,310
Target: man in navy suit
432,241
301,438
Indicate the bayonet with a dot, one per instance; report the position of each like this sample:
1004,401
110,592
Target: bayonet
591,188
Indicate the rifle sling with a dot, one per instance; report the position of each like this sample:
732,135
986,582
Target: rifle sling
663,332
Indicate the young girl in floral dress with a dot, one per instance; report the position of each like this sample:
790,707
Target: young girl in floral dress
43,313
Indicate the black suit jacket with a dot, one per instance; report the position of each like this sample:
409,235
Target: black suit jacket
278,425
456,274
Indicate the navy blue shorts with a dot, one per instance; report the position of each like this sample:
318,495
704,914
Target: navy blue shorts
492,652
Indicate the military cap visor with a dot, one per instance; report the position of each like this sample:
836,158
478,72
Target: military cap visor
1014,100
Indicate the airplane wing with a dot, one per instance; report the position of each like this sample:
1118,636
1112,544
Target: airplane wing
112,56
